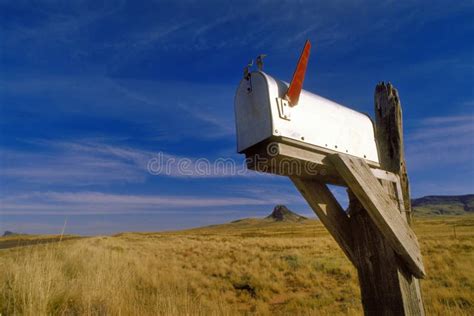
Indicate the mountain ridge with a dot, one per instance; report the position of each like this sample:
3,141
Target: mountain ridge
443,205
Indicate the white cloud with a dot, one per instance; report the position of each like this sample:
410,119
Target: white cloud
88,203
460,119
441,142
164,109
74,164
85,162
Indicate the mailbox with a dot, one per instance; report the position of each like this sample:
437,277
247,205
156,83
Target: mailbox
264,112
285,130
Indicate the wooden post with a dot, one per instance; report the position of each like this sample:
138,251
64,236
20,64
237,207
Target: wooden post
389,137
387,286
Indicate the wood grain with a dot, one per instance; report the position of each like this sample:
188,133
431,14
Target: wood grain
381,209
329,212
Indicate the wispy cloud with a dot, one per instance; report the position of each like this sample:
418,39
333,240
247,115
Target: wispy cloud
90,203
165,109
261,23
53,22
437,129
224,124
81,163
74,164
460,119
441,141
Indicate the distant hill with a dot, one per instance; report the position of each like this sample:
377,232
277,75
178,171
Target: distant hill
8,233
281,221
443,205
282,214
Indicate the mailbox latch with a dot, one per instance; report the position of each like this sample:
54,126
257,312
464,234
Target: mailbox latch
284,109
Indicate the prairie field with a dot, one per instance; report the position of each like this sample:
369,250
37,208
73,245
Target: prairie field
245,267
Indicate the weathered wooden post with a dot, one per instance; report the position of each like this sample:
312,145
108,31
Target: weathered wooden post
387,286
285,130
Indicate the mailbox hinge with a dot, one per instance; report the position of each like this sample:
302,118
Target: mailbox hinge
284,109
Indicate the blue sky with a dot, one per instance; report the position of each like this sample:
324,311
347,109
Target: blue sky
90,91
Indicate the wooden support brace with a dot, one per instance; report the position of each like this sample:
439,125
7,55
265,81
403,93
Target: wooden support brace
328,210
381,209
387,287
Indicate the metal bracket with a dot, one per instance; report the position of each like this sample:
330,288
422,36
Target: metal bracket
284,109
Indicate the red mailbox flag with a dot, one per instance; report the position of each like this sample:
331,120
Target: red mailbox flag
294,90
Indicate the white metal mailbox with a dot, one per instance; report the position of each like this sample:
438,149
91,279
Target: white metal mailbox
263,113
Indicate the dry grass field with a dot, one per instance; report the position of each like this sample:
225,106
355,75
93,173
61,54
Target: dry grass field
246,267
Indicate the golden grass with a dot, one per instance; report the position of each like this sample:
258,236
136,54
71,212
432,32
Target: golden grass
249,267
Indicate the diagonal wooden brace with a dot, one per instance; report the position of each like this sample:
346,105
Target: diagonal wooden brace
329,212
381,209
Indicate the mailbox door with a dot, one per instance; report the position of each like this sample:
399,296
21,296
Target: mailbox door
253,113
